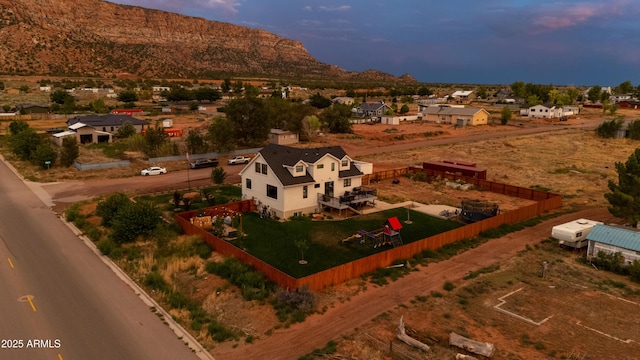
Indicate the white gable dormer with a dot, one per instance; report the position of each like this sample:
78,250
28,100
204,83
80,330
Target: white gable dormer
345,163
297,170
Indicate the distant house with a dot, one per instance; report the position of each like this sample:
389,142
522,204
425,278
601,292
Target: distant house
32,109
616,98
344,100
109,123
629,104
288,181
372,109
45,88
84,134
547,111
612,239
396,119
460,116
157,89
283,137
463,97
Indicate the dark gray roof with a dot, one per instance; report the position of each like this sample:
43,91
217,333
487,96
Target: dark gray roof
369,106
619,237
279,156
106,120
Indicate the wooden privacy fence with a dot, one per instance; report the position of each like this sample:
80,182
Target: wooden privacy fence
339,274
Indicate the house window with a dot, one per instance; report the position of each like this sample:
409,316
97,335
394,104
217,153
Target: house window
272,191
305,192
316,186
258,167
320,166
299,168
333,166
248,183
264,169
112,128
345,163
104,128
347,182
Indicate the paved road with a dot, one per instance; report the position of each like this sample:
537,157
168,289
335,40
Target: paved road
53,288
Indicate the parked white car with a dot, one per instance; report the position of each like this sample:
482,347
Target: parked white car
238,160
154,170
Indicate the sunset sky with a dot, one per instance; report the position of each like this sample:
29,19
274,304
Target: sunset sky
476,42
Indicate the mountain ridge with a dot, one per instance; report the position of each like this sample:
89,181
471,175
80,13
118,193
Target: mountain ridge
99,38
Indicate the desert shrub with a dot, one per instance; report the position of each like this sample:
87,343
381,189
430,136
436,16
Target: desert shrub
106,246
133,220
155,281
109,207
253,285
448,285
220,333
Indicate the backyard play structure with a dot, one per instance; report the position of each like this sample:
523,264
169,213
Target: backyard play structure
389,234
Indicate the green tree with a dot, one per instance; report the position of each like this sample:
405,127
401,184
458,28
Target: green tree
609,128
573,94
226,85
221,134
128,96
44,155
195,142
518,89
17,126
237,87
424,91
482,92
505,115
98,106
218,175
319,102
59,97
625,88
1,85
24,89
310,126
533,100
336,119
251,91
109,207
155,138
625,195
206,93
70,151
69,105
24,143
133,220
404,109
193,106
126,130
594,93
634,130
250,120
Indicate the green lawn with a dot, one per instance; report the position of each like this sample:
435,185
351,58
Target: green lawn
274,242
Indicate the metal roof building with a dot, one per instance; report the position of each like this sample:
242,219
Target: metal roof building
613,239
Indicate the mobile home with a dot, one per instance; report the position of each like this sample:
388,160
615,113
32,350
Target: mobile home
573,234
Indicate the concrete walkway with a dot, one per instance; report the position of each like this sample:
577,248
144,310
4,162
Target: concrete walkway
433,210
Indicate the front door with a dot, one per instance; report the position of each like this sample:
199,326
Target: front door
328,188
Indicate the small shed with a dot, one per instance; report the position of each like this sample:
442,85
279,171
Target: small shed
614,239
574,233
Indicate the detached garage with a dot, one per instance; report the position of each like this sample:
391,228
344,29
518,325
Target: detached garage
574,233
613,239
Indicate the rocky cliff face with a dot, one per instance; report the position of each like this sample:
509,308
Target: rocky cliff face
98,38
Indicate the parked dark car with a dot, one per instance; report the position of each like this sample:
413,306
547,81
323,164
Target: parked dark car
203,163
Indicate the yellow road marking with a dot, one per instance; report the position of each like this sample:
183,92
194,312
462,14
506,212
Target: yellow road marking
59,356
10,263
31,302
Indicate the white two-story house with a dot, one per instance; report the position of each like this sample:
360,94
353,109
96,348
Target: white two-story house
295,181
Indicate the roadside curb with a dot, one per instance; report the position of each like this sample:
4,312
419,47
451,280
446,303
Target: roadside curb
180,332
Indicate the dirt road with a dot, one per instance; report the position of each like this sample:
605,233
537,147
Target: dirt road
317,330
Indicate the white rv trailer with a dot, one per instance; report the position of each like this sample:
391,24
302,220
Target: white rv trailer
573,234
